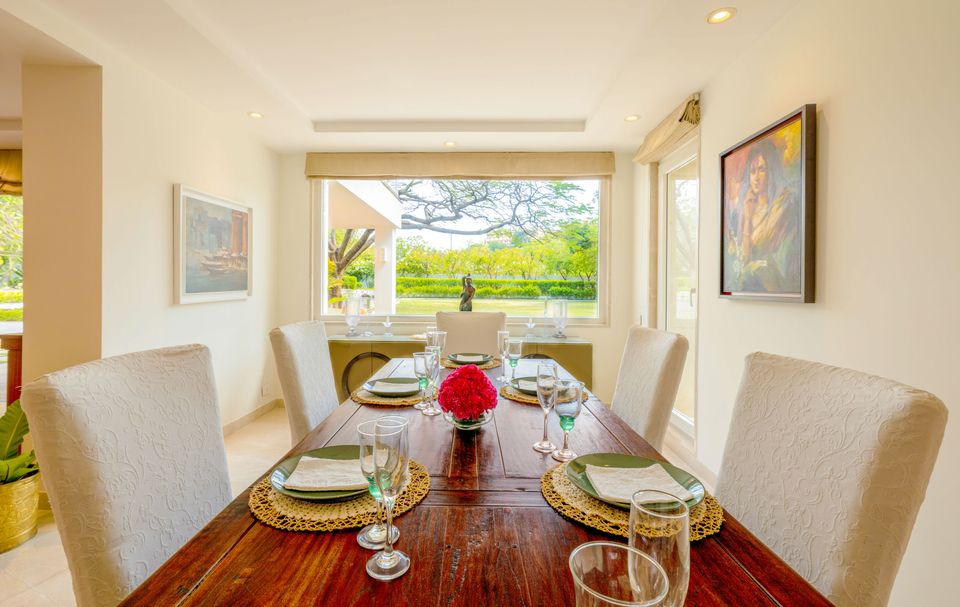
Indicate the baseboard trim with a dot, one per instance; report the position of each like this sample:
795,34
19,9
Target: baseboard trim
260,411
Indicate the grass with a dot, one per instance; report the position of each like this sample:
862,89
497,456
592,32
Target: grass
513,307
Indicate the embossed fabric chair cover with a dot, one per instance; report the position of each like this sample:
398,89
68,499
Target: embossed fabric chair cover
471,331
828,467
131,452
306,375
650,372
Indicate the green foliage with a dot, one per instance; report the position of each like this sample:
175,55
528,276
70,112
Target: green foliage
11,297
15,315
13,427
11,241
496,288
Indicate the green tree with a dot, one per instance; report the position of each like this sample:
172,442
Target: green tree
11,241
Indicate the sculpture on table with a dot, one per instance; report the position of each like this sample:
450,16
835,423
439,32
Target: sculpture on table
466,296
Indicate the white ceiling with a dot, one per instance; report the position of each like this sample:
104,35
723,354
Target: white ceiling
299,61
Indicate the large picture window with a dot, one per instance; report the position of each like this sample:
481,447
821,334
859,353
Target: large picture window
404,246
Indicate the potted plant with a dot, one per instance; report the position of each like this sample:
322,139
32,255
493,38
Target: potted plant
19,481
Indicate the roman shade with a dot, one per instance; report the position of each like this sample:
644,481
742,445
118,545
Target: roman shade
666,135
11,172
458,165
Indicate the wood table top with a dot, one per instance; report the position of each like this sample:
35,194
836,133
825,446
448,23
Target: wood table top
484,535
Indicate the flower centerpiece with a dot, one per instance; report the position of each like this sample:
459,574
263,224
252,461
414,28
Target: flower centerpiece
467,398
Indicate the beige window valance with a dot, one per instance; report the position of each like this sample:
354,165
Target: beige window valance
665,136
11,172
459,165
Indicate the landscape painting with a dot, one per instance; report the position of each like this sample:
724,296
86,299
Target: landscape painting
213,248
768,187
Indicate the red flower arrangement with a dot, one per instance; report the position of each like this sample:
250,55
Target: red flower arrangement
467,393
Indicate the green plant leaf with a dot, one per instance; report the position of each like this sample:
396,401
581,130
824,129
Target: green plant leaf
13,427
14,469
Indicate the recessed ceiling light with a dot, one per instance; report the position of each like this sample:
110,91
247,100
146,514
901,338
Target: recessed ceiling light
631,118
255,114
450,144
721,14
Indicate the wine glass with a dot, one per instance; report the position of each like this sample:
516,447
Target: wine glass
568,407
660,527
514,349
531,325
373,536
391,460
547,397
351,311
386,327
433,377
502,338
421,369
611,574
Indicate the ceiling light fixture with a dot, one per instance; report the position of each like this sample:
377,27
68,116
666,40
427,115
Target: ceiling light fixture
450,144
631,118
254,114
721,14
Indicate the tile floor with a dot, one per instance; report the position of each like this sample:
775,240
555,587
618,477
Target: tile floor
35,574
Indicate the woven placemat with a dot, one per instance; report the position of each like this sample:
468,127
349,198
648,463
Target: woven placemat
362,397
515,395
290,514
705,518
449,364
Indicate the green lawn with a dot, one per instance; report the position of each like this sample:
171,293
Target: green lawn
513,307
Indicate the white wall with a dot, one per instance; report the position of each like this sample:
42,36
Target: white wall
886,81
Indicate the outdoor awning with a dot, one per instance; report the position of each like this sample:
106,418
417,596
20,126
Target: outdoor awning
11,172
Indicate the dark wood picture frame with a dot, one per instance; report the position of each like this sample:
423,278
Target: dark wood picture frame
807,200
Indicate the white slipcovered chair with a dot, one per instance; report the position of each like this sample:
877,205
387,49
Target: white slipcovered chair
131,452
471,331
306,375
650,372
828,467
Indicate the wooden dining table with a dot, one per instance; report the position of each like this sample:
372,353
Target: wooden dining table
484,534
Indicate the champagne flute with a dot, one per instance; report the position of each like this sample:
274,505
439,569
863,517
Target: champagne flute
547,397
568,407
391,460
660,527
373,536
433,376
514,349
502,338
422,370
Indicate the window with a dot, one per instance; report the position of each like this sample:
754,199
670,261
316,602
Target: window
404,246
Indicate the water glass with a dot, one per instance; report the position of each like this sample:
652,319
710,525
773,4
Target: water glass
422,370
434,381
568,407
660,527
373,536
547,397
391,461
514,350
610,574
502,338
437,338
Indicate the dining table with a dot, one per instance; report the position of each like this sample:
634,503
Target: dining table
483,535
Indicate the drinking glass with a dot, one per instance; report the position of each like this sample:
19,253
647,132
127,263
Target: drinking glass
437,338
559,315
421,369
547,397
434,381
373,536
502,338
660,527
610,574
568,407
391,460
514,349
351,311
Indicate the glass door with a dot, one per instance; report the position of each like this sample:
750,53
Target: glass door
680,213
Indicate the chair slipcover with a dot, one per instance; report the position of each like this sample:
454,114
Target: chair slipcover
306,375
471,331
647,384
828,467
131,452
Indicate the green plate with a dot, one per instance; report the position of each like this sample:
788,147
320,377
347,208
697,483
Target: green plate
456,358
282,472
577,473
515,383
412,382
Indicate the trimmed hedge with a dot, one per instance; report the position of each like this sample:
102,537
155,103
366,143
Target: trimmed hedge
11,297
11,315
410,286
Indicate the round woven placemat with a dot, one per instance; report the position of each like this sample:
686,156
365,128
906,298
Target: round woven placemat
513,394
705,518
449,364
290,514
362,397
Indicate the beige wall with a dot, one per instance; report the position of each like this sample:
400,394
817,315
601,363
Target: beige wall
62,170
888,259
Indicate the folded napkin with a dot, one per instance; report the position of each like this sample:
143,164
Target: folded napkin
470,358
392,388
317,474
619,484
526,384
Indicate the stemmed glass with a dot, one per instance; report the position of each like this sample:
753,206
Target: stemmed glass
611,574
568,407
373,536
391,460
433,377
660,527
421,369
547,397
514,350
502,338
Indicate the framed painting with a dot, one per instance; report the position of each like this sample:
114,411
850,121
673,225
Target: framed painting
768,212
211,248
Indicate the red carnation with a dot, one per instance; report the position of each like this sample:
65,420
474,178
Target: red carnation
467,393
